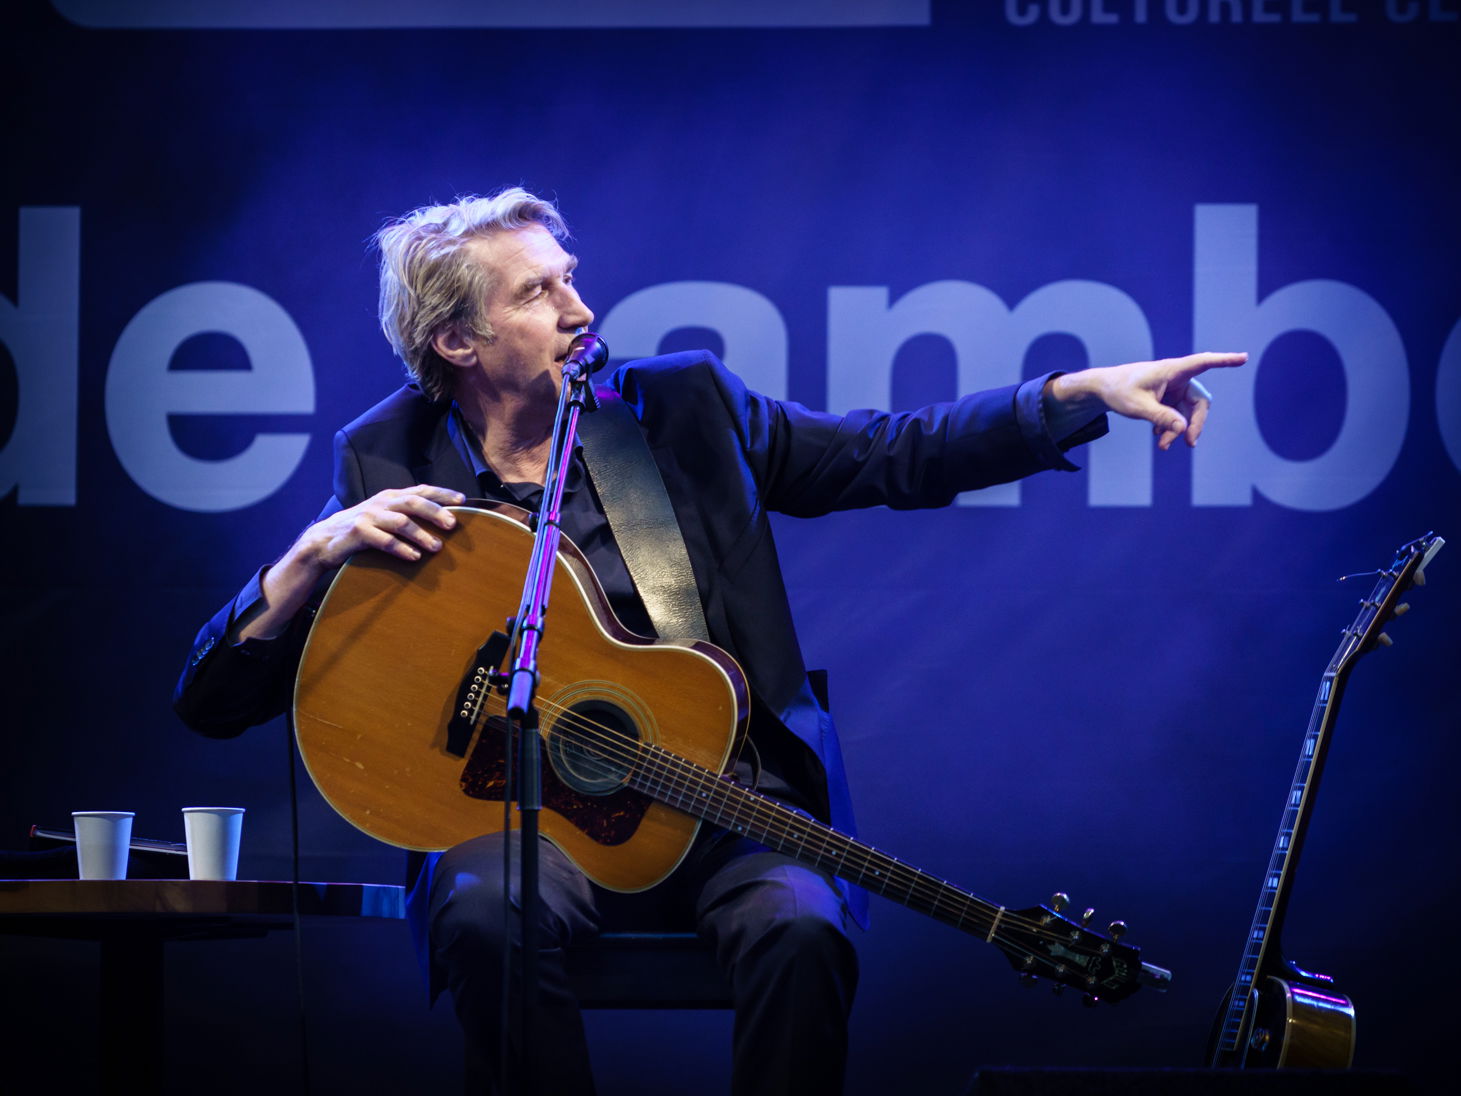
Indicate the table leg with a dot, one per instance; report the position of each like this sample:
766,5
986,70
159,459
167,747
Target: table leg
131,1014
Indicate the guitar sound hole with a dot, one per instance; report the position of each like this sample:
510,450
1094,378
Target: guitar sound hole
591,747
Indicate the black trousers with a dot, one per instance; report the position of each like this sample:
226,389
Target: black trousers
779,929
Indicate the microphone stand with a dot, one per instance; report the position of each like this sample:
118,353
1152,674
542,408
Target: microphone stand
575,395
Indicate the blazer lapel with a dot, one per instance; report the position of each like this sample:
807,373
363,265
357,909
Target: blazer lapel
442,466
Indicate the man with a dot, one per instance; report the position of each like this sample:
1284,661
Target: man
478,300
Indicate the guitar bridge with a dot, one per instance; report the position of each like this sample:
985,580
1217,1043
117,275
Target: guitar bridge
484,676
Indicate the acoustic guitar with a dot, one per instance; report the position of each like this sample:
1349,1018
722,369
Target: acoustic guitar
400,721
1278,1015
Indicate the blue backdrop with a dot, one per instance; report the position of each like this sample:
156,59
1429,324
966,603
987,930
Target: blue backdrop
1095,683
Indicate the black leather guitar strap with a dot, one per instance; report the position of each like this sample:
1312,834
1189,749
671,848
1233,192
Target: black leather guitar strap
641,518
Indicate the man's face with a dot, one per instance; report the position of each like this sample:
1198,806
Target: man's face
531,305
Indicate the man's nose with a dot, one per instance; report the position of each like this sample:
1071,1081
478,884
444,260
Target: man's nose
576,313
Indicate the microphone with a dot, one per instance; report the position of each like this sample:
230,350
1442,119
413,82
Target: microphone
586,354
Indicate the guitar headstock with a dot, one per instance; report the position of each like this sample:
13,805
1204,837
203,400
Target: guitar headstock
1041,942
1376,611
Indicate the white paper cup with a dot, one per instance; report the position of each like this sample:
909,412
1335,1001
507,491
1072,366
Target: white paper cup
212,834
103,840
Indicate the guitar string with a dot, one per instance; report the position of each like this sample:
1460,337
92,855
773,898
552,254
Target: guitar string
943,900
682,781
938,898
679,778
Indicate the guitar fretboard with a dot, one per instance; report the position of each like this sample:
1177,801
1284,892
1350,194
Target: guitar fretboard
697,791
1273,894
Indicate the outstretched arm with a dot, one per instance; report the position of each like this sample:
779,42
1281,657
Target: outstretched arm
1165,393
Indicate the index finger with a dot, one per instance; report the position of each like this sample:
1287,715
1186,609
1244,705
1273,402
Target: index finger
1193,364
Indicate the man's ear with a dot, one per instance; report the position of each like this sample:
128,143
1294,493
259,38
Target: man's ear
454,347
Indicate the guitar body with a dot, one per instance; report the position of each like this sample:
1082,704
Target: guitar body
387,657
1295,1025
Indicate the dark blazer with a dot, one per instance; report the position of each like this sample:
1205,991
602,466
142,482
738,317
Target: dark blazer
729,457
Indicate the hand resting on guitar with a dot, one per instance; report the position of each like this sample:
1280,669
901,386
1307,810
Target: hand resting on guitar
395,521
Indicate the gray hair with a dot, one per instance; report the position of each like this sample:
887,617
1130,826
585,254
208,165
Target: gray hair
429,282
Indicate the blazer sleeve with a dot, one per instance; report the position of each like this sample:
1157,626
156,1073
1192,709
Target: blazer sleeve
227,687
806,463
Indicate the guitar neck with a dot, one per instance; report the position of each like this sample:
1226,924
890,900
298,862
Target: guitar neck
699,792
1261,951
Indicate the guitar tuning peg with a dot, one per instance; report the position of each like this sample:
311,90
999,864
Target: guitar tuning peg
1402,608
1027,980
1058,988
1059,900
1116,929
1086,917
1384,640
1090,1000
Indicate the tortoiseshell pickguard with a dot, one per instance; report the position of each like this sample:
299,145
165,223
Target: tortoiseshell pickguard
606,819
